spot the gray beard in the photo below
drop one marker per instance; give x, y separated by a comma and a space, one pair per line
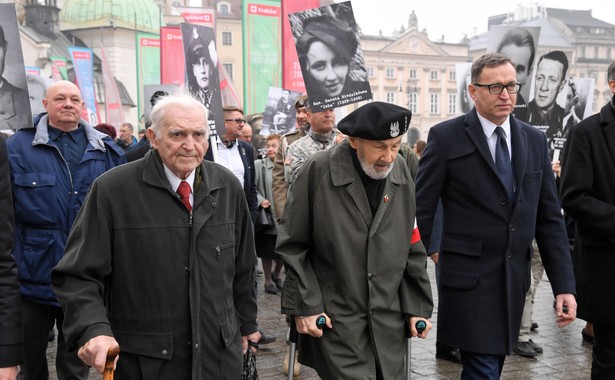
372, 173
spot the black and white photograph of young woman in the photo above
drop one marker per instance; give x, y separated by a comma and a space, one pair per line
14, 101
519, 44
202, 72
280, 112
330, 56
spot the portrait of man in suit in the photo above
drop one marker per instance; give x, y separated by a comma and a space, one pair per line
489, 220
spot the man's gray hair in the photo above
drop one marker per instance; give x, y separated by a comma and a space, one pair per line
182, 100
611, 72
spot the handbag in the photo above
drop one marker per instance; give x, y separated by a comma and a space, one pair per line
264, 220
248, 371
264, 223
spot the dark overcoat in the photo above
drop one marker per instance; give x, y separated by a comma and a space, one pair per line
358, 268
174, 288
486, 246
588, 195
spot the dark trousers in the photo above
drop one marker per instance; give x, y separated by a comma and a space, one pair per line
37, 320
481, 366
603, 356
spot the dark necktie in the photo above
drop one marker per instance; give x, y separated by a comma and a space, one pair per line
502, 162
184, 194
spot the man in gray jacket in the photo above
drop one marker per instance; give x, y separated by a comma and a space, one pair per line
347, 236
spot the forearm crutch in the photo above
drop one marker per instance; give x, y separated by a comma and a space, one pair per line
420, 327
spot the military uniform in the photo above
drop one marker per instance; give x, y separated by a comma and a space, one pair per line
280, 173
302, 149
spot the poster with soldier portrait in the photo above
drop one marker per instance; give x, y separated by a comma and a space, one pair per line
280, 112
548, 109
202, 72
330, 56
153, 92
14, 100
519, 43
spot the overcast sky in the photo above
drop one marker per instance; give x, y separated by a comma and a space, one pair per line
455, 18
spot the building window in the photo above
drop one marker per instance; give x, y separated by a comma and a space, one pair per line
412, 74
224, 8
370, 72
390, 72
413, 101
433, 75
596, 52
434, 103
390, 97
452, 75
452, 104
228, 67
227, 38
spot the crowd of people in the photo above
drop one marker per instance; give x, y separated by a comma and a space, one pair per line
157, 257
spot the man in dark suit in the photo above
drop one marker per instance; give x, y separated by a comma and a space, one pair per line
588, 195
237, 155
491, 212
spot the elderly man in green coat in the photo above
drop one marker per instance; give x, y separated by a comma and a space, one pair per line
348, 237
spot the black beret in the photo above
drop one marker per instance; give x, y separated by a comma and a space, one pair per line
376, 121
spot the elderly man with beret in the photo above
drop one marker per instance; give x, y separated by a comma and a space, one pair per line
347, 236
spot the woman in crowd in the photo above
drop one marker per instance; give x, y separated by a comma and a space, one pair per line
265, 240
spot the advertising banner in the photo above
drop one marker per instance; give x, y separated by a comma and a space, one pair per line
262, 52
84, 76
148, 64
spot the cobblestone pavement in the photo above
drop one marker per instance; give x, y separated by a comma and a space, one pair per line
565, 355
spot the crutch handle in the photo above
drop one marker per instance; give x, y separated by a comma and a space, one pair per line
110, 363
321, 321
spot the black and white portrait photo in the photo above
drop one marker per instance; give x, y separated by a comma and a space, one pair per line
202, 72
153, 92
280, 112
330, 56
519, 44
464, 78
14, 101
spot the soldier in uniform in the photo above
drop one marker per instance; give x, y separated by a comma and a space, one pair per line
321, 136
279, 185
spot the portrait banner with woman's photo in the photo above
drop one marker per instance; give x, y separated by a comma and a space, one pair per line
202, 72
14, 100
330, 56
280, 112
519, 43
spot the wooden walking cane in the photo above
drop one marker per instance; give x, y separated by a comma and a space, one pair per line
110, 363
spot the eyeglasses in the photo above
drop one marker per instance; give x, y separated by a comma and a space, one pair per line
238, 121
496, 89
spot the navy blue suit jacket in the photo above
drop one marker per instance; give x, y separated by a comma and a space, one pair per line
486, 246
246, 151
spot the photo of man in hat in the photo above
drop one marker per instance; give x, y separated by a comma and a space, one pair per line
348, 227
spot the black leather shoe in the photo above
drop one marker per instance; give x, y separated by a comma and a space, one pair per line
534, 326
525, 349
445, 352
535, 347
266, 339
